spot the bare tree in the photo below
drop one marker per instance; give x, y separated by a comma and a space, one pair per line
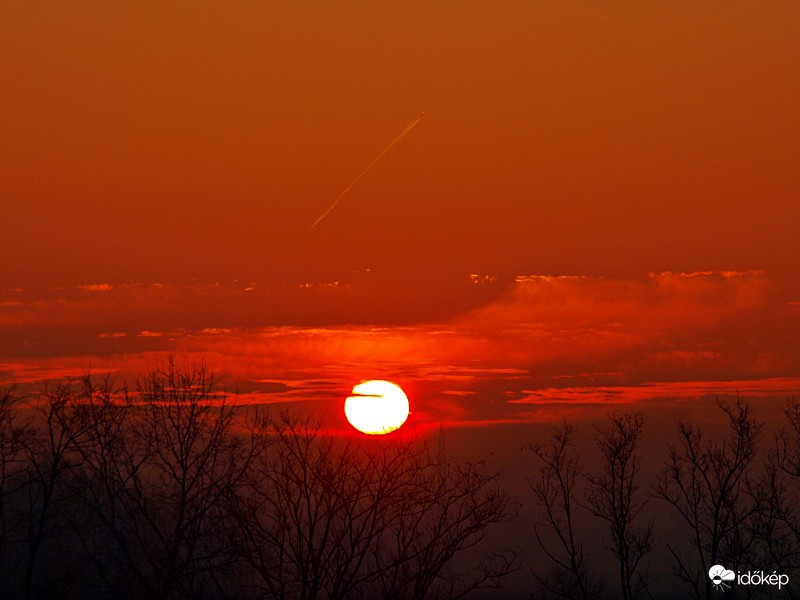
156, 468
778, 499
613, 496
172, 492
441, 513
302, 527
554, 492
12, 482
777, 527
333, 518
708, 483
109, 524
49, 442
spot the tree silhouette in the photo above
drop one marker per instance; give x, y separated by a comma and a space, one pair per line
157, 467
613, 496
173, 491
708, 483
13, 480
555, 495
331, 518
778, 498
49, 442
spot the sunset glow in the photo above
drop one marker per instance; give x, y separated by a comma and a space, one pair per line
376, 407
523, 213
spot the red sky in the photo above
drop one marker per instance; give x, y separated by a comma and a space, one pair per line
601, 202
541, 349
158, 143
599, 211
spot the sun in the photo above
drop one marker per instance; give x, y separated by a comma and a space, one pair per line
376, 407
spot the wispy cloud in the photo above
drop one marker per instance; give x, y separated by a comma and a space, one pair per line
547, 342
97, 287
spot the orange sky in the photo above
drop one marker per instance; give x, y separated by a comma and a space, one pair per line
600, 210
151, 142
601, 203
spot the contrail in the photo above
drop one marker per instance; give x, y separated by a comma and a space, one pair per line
408, 128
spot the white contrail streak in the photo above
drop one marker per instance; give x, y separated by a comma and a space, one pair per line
408, 128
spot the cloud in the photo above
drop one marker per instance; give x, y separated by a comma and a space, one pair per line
658, 302
545, 343
671, 390
97, 287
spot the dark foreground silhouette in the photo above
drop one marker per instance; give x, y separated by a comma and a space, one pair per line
172, 491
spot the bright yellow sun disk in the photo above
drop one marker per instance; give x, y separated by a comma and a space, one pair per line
376, 407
